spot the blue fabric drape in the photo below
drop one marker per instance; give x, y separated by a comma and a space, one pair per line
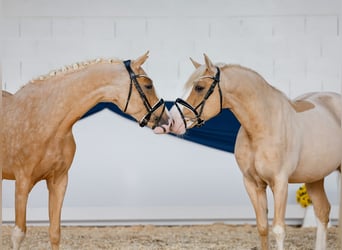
219, 132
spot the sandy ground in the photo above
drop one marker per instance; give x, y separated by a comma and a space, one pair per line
216, 236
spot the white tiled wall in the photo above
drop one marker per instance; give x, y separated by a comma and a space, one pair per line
295, 45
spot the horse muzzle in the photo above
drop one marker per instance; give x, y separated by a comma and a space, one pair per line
163, 123
177, 124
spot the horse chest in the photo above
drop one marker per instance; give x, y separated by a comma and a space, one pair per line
260, 161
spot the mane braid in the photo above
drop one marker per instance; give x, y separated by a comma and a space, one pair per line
73, 68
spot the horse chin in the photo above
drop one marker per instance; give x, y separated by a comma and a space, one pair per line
178, 127
178, 131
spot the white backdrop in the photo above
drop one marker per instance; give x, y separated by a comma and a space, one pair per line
124, 174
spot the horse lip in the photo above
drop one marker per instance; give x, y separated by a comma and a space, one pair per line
163, 129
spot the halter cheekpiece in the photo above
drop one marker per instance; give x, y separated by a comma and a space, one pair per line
200, 106
150, 110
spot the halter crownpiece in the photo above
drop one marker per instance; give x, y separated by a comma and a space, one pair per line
200, 106
150, 110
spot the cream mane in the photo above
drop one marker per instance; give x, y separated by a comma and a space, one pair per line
73, 68
222, 66
298, 106
256, 73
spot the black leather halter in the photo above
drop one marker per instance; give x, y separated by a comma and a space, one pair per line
150, 110
199, 121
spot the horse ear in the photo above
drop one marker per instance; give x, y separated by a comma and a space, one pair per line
208, 63
196, 64
140, 60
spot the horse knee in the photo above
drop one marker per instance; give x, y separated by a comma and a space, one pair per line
18, 236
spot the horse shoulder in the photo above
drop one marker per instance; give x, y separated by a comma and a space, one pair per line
245, 155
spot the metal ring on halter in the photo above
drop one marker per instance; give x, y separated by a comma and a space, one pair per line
150, 110
199, 120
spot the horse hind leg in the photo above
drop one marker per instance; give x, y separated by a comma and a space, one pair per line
322, 210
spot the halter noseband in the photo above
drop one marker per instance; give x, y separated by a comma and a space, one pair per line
150, 110
199, 120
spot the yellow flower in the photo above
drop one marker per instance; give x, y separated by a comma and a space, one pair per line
302, 196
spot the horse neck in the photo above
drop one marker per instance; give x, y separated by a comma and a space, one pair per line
72, 94
257, 105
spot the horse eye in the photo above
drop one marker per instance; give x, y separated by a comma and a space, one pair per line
198, 88
150, 86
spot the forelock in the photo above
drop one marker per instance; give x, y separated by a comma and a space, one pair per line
195, 75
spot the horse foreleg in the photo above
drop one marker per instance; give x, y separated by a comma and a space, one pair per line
280, 190
22, 189
322, 210
257, 195
57, 187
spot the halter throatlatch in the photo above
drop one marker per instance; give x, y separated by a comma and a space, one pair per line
199, 121
150, 110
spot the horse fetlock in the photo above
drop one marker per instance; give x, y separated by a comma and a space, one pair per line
55, 238
321, 235
17, 237
55, 246
279, 233
263, 230
264, 243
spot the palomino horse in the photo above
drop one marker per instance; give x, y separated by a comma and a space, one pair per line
280, 141
38, 119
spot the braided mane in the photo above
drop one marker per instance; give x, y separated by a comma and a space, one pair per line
73, 68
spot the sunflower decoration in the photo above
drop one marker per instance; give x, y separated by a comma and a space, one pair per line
302, 196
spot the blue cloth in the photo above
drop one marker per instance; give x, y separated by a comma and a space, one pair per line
219, 132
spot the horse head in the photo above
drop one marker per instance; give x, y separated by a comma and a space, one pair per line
141, 101
202, 100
